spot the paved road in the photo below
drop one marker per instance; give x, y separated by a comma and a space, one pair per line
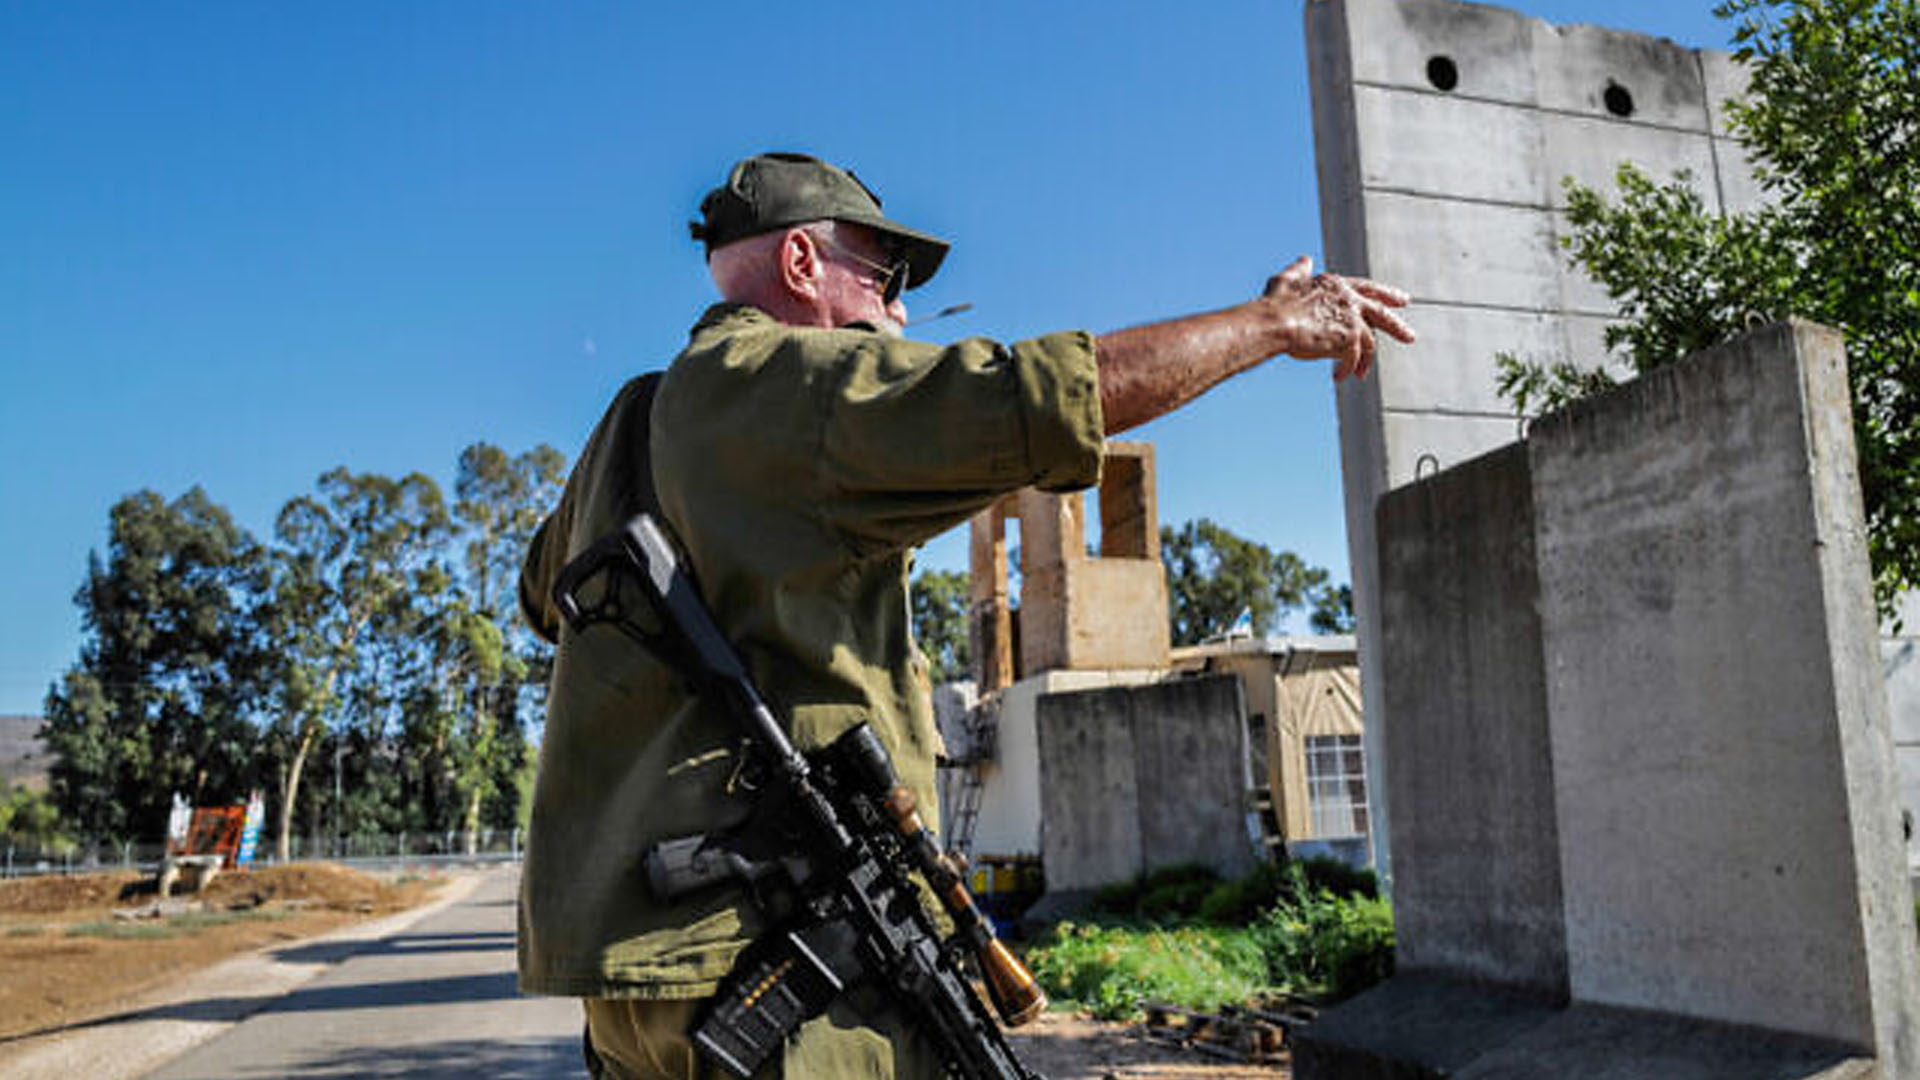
434, 1000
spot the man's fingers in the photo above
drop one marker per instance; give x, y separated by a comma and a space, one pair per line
1382, 319
1300, 269
1373, 290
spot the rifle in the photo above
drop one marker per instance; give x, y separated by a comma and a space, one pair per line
834, 835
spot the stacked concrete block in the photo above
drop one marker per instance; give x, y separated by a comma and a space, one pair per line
1139, 778
1078, 611
1646, 813
1442, 132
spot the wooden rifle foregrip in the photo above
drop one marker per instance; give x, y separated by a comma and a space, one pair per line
1015, 993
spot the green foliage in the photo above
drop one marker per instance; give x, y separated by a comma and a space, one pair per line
375, 652
1112, 971
29, 819
1332, 610
172, 672
1314, 928
1322, 945
1828, 122
1213, 576
940, 623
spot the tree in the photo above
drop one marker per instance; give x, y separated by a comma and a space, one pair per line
170, 673
940, 623
500, 501
353, 564
1332, 610
1214, 577
29, 819
1831, 123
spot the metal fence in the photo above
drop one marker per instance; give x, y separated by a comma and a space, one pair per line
367, 851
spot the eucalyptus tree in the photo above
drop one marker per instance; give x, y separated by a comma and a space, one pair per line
171, 669
355, 558
495, 663
1215, 577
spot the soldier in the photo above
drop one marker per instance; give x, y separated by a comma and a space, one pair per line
800, 448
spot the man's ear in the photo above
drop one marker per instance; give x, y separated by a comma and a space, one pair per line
801, 266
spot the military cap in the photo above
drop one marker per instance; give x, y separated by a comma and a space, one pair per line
777, 190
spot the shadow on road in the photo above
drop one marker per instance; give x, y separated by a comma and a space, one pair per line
456, 989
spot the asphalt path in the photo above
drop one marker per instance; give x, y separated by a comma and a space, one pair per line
436, 999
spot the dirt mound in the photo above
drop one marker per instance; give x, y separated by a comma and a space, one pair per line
319, 885
323, 885
53, 893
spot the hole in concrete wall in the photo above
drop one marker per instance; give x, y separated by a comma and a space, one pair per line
1618, 101
1442, 74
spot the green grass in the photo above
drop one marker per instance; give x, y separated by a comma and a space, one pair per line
23, 931
1183, 937
191, 922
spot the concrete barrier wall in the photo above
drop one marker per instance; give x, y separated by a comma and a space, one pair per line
1138, 778
1442, 131
1477, 873
1658, 609
1720, 739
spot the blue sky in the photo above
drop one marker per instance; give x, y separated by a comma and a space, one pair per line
241, 244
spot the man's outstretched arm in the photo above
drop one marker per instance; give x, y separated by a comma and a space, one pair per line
1149, 371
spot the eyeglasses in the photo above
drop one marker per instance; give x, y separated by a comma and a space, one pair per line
892, 279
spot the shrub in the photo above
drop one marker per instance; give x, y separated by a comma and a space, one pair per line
1111, 971
1328, 946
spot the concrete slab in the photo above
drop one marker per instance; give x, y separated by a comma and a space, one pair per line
1421, 444
1614, 1044
1416, 1027
1134, 779
1477, 866
1590, 149
1721, 752
1585, 70
1489, 48
1452, 368
1410, 141
1484, 254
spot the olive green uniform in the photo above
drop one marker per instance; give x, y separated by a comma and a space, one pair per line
798, 467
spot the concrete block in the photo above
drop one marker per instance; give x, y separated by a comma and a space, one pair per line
1587, 69
1590, 149
1900, 666
1133, 779
1590, 1041
1906, 762
1410, 141
1421, 444
1010, 814
1451, 369
1393, 42
1587, 343
1464, 253
1416, 1027
1740, 190
1721, 752
1476, 858
1723, 78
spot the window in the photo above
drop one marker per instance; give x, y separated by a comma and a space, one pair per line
1337, 785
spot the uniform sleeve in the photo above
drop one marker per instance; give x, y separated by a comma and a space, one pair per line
918, 438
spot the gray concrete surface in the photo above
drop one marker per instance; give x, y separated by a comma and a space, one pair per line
1730, 868
1137, 778
1477, 873
436, 999
1721, 751
1454, 194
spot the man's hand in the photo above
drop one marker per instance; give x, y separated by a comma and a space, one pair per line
1334, 317
1148, 371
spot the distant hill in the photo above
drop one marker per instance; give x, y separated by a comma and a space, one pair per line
23, 758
